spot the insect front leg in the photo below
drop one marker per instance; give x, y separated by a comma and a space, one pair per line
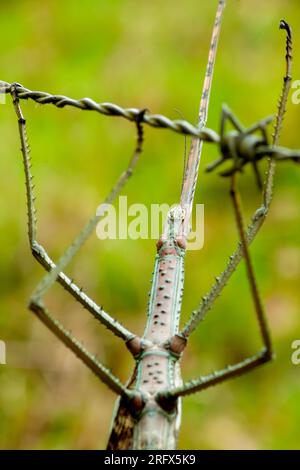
39, 252
259, 216
251, 362
55, 270
104, 374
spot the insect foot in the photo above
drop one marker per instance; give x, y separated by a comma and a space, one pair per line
167, 403
157, 427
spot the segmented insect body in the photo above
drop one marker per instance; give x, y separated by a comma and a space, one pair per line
156, 424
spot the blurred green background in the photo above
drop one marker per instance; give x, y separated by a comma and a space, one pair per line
143, 54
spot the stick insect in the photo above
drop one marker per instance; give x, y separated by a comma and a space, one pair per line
148, 410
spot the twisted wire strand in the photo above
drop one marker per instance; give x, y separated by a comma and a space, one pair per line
110, 109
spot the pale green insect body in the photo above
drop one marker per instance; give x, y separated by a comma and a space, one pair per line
158, 367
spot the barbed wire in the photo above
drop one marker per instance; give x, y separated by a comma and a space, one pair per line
110, 109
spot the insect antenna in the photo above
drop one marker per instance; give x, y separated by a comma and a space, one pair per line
193, 160
184, 155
